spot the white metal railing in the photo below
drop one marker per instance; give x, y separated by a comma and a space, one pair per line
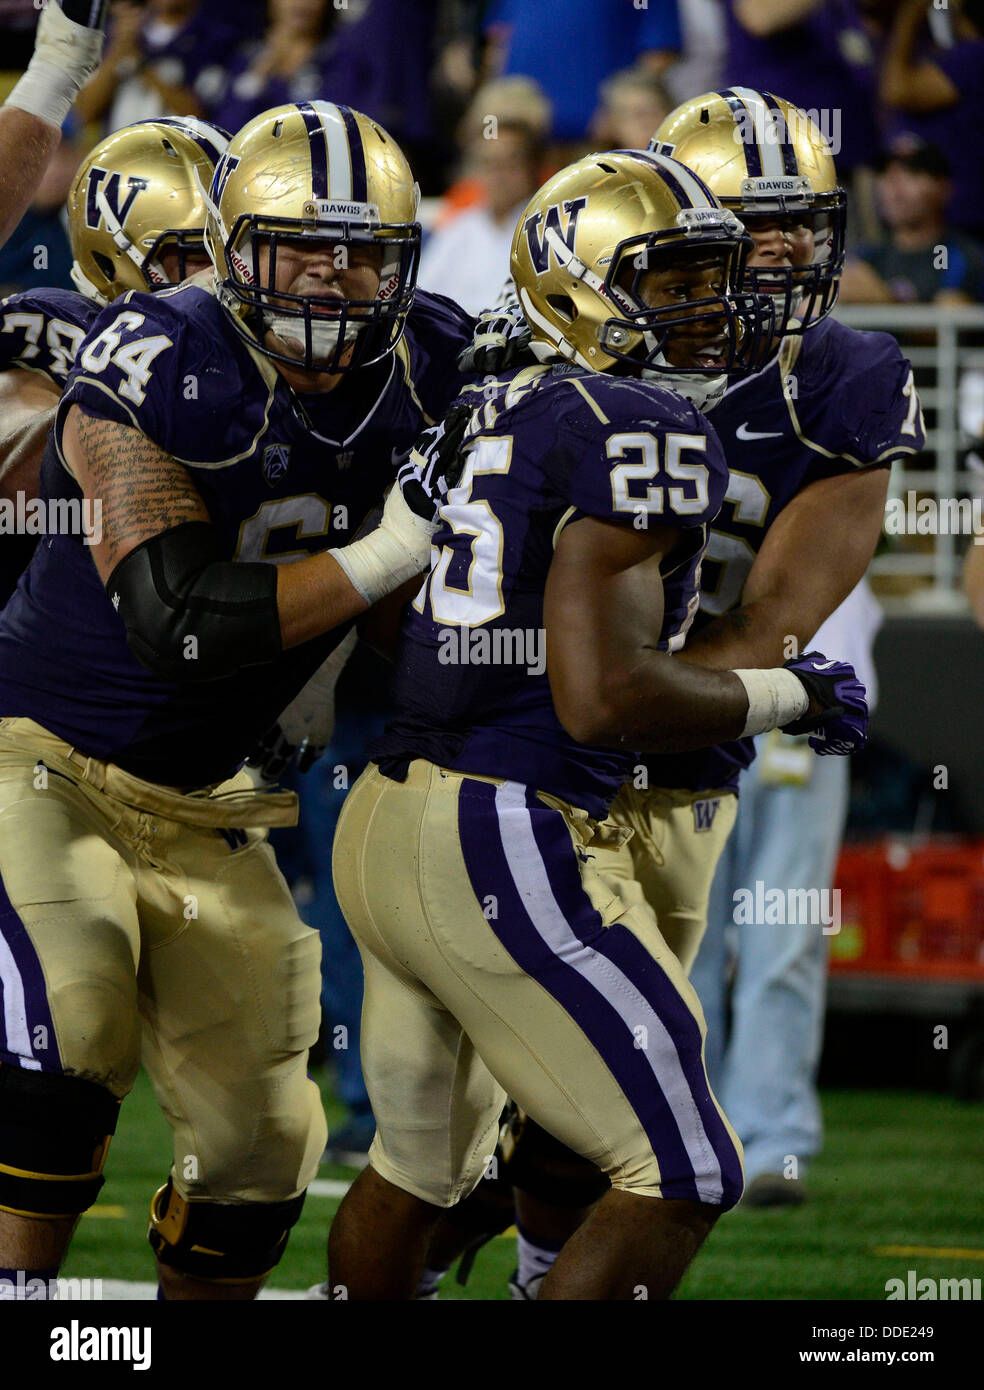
945, 346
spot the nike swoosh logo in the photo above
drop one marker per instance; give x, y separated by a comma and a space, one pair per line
743, 432
823, 665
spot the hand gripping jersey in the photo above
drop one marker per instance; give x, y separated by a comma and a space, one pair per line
834, 400
283, 476
559, 443
41, 330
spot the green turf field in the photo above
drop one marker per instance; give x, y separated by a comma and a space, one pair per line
900, 1169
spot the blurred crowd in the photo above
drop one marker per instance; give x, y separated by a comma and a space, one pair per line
488, 97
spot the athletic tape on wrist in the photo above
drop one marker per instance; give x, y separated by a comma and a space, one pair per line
66, 55
775, 698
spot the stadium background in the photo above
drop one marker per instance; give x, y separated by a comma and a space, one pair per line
487, 99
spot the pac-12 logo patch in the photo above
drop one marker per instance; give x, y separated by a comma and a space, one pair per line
276, 460
704, 812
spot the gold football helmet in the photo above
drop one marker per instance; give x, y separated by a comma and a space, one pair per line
583, 246
767, 160
315, 174
140, 192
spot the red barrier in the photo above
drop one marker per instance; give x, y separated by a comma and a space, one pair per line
912, 909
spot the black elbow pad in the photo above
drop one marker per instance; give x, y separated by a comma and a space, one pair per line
191, 615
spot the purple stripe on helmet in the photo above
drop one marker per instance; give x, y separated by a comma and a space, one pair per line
318, 143
359, 183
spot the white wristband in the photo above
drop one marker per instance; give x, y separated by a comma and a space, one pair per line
397, 550
66, 55
775, 698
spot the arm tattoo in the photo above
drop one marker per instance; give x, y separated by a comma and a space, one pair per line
142, 490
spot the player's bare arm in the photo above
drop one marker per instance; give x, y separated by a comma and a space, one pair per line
603, 612
906, 81
26, 146
765, 17
813, 555
146, 496
27, 405
66, 52
973, 582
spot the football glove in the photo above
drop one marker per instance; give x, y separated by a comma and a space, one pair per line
435, 463
304, 729
501, 340
842, 725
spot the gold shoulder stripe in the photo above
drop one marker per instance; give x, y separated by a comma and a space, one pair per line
890, 452
580, 386
560, 526
403, 357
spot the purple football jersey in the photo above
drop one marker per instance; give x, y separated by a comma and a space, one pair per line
558, 444
833, 401
282, 475
42, 329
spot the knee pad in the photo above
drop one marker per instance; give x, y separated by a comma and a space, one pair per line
54, 1136
231, 1243
537, 1163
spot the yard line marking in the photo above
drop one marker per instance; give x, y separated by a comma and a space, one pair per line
123, 1290
106, 1212
950, 1252
328, 1187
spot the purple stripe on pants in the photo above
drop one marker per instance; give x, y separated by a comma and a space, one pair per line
21, 973
485, 857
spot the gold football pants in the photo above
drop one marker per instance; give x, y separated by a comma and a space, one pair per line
669, 863
499, 960
132, 918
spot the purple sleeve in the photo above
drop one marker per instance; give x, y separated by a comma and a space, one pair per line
876, 408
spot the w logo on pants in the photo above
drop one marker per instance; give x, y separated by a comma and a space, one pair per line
704, 813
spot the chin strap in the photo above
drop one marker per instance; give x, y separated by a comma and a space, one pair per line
84, 285
702, 391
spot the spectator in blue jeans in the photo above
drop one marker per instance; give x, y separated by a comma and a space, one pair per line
791, 815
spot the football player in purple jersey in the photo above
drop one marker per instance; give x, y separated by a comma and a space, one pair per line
136, 221
809, 439
236, 431
538, 653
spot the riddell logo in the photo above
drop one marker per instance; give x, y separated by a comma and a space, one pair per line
245, 270
388, 290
